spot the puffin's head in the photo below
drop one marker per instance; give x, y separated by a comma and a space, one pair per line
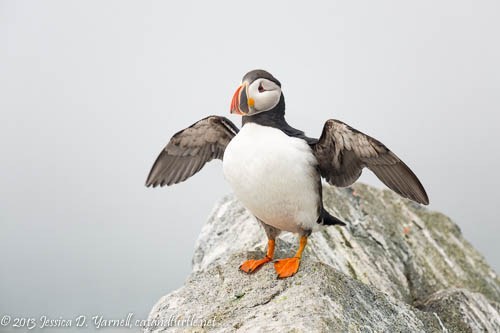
259, 92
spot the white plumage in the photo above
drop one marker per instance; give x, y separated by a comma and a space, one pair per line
274, 176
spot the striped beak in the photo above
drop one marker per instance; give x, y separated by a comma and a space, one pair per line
239, 103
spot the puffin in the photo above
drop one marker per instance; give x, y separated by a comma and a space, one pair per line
275, 170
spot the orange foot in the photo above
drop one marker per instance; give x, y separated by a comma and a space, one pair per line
252, 265
286, 267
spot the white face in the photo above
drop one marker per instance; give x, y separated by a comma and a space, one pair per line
265, 93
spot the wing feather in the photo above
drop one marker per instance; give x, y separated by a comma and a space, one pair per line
190, 149
342, 153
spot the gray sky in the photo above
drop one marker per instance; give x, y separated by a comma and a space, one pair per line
91, 91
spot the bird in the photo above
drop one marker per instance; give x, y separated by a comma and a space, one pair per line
275, 170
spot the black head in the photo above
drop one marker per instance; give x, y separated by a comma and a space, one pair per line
259, 92
259, 74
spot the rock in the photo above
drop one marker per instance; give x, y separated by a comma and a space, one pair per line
396, 267
463, 310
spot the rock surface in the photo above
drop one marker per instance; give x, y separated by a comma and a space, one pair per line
396, 267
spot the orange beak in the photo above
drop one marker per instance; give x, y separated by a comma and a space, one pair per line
235, 102
240, 102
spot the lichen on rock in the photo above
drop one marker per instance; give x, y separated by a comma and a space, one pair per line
395, 267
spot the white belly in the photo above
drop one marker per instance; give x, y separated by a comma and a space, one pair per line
274, 176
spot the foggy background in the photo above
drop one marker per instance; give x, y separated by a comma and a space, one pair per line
91, 91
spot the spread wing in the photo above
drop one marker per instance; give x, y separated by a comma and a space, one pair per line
188, 150
342, 153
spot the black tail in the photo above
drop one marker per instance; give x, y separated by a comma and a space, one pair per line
326, 219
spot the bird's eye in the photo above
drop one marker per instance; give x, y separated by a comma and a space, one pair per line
261, 88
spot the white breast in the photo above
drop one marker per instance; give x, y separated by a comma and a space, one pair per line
274, 176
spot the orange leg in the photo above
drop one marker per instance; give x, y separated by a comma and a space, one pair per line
252, 265
289, 266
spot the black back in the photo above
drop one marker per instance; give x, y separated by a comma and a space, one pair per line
276, 118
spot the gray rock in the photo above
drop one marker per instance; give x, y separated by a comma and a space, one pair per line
463, 310
396, 267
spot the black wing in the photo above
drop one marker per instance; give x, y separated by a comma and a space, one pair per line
188, 150
342, 153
